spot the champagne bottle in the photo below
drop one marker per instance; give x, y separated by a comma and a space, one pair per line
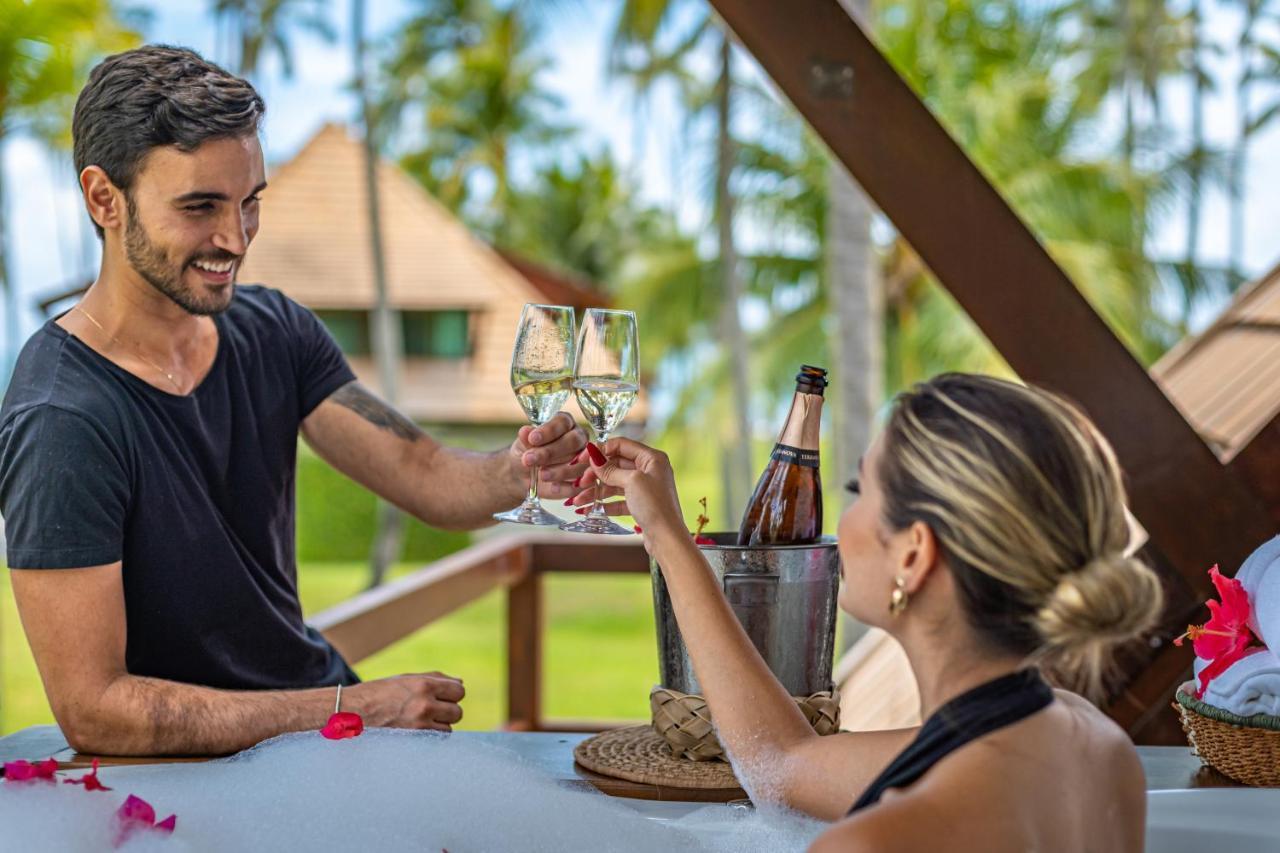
786, 507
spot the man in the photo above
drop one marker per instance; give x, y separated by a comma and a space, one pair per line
148, 443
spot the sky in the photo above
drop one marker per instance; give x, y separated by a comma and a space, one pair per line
51, 246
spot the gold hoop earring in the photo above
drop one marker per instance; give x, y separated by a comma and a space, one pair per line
899, 598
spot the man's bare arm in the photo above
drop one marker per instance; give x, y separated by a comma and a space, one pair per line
104, 710
370, 441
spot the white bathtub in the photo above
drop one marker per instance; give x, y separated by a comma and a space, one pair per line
1204, 820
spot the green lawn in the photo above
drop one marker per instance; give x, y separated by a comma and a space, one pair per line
601, 657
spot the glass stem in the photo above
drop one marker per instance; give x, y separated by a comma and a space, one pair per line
597, 508
532, 498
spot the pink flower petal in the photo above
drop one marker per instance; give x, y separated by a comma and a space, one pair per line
19, 771
344, 724
137, 815
89, 780
137, 810
25, 771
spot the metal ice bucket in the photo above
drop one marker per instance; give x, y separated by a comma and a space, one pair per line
785, 598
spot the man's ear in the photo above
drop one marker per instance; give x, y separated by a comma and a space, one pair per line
103, 199
919, 556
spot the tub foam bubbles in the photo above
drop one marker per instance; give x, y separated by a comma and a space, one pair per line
386, 790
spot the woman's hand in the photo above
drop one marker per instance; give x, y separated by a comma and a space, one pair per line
641, 475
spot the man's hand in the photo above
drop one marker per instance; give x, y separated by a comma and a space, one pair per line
553, 447
104, 710
452, 488
426, 701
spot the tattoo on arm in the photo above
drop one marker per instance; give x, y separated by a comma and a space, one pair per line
357, 398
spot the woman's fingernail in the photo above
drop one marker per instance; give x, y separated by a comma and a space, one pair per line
581, 510
578, 458
569, 501
577, 482
597, 458
637, 528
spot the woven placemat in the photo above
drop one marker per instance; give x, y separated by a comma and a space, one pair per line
639, 754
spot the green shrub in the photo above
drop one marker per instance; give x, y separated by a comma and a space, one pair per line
336, 520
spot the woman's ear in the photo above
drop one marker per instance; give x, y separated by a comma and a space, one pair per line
919, 555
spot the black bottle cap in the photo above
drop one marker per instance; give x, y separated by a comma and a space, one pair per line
815, 377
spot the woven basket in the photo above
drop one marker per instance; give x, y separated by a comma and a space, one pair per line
683, 720
1247, 749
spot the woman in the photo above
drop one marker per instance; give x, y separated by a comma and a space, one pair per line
989, 538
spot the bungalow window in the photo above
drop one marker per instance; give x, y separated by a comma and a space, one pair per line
350, 329
425, 334
436, 334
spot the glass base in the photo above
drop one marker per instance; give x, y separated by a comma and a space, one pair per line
596, 524
528, 513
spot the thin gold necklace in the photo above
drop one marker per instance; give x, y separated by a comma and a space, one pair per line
115, 340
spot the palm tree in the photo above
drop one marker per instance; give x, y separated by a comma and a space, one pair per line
46, 50
256, 27
587, 218
468, 72
1201, 82
1260, 63
856, 304
641, 55
1003, 96
388, 349
1002, 92
1130, 48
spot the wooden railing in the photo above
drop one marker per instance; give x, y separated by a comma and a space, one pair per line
375, 619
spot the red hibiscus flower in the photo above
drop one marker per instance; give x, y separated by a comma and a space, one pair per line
343, 725
137, 815
89, 780
1226, 637
25, 771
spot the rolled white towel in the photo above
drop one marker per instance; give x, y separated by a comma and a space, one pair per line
1260, 577
1249, 686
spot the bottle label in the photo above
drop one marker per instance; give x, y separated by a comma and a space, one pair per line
795, 455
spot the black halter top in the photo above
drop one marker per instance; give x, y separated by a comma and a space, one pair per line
969, 716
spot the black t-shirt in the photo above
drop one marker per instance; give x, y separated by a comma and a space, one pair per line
194, 494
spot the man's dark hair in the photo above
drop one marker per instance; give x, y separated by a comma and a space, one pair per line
153, 96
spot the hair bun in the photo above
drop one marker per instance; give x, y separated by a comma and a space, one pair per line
1110, 600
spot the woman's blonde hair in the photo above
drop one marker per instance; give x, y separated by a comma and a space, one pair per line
1025, 498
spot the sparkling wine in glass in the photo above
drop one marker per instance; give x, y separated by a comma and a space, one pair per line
605, 382
541, 376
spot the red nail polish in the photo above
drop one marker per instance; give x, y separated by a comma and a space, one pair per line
581, 510
569, 502
637, 529
597, 458
577, 482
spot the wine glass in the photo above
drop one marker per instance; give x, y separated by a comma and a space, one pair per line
541, 376
605, 382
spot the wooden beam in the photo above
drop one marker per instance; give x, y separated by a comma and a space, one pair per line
1197, 512
375, 619
524, 653
1258, 463
614, 554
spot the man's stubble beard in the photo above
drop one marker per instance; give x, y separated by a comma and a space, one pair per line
152, 263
